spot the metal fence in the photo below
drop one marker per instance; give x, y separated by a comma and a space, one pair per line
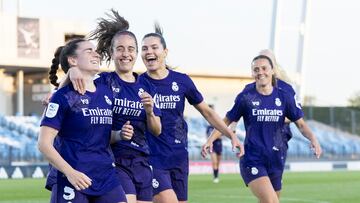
343, 118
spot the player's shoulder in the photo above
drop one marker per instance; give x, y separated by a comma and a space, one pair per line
285, 86
177, 74
249, 86
62, 91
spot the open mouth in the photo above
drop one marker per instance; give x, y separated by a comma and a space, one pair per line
151, 59
95, 62
125, 60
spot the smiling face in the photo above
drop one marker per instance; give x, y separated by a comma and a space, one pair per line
153, 53
262, 72
124, 52
86, 58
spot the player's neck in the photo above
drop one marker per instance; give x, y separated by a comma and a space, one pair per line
89, 82
264, 89
158, 74
126, 76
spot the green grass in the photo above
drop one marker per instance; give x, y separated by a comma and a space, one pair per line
314, 187
319, 187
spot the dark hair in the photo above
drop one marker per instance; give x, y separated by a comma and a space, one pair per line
107, 30
158, 33
273, 79
61, 56
263, 57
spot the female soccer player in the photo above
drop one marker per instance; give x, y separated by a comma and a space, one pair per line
133, 103
83, 124
168, 152
216, 152
264, 108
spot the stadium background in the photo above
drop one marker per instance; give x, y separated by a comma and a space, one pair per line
27, 44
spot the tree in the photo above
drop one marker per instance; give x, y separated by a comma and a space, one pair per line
354, 101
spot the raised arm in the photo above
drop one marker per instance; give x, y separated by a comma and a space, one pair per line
153, 122
75, 77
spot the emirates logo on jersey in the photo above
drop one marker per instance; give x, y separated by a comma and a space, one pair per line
174, 86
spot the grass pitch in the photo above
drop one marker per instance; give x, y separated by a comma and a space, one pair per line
314, 187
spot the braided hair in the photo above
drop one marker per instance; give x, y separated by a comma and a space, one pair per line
61, 56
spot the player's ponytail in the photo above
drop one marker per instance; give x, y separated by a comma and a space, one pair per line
107, 30
61, 56
55, 66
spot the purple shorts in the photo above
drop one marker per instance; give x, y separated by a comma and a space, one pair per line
135, 175
64, 192
51, 178
251, 170
176, 179
217, 146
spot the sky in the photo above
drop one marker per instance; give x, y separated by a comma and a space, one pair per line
220, 37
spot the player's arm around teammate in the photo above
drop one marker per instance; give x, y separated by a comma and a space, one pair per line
75, 119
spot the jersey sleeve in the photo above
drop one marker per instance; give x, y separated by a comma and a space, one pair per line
237, 110
192, 94
285, 86
249, 86
102, 78
293, 109
55, 111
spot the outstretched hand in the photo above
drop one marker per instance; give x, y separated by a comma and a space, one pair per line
206, 149
315, 146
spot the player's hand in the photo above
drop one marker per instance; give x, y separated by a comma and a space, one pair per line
206, 149
127, 131
316, 148
237, 145
77, 80
46, 100
79, 180
148, 102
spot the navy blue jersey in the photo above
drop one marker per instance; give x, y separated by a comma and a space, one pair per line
169, 150
84, 123
286, 87
128, 107
264, 117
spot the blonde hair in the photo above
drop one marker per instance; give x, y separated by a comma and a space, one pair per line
279, 72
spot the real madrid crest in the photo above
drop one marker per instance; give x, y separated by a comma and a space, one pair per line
141, 90
174, 86
277, 102
108, 101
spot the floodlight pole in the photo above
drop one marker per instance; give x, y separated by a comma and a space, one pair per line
276, 26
